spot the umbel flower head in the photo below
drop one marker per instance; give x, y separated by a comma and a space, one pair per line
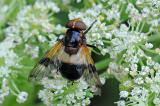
126, 34
30, 21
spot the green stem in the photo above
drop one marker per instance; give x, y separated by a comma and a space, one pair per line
96, 52
132, 29
68, 90
148, 50
111, 27
141, 63
14, 85
13, 92
144, 4
106, 41
120, 56
143, 23
138, 26
120, 60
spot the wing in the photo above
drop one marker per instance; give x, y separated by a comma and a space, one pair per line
47, 64
90, 74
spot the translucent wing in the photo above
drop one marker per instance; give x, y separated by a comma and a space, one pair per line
47, 64
90, 74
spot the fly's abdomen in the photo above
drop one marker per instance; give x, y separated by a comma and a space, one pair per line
71, 71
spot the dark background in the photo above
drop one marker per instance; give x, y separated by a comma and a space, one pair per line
110, 94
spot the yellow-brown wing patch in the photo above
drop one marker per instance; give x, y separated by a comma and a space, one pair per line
44, 67
90, 74
54, 50
86, 52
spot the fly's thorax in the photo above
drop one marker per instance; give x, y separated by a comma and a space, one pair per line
73, 38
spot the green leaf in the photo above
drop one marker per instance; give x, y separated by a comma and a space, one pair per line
102, 64
150, 99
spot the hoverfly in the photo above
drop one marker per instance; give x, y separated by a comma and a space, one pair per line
70, 56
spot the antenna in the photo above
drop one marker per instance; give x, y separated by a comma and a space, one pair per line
90, 27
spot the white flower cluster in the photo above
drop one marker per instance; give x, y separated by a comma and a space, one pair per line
144, 86
113, 13
147, 11
58, 91
32, 23
8, 59
130, 52
4, 91
125, 40
22, 97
